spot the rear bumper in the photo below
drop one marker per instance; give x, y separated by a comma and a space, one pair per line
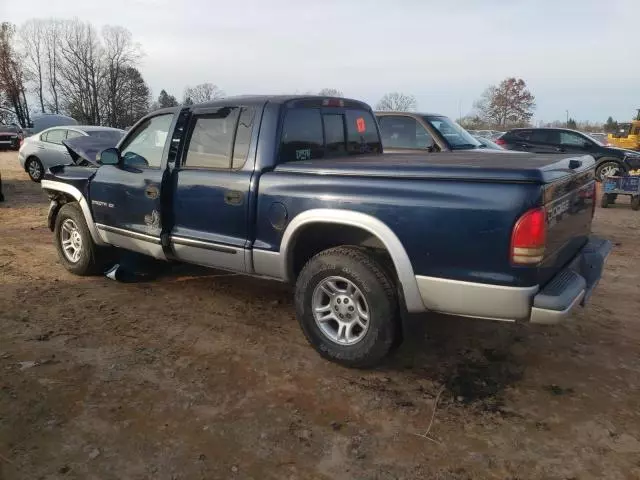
571, 287
21, 159
9, 143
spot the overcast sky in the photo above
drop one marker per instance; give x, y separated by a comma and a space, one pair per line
576, 55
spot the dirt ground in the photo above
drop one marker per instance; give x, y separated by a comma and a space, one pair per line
203, 376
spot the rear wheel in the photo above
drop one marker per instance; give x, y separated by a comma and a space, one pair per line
34, 168
347, 306
635, 202
76, 249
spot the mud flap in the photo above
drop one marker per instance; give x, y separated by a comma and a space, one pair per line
54, 206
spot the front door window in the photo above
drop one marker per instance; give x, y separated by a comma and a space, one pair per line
145, 145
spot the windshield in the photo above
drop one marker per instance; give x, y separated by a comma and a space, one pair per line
456, 136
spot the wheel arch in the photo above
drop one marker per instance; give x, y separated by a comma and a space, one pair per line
71, 194
373, 229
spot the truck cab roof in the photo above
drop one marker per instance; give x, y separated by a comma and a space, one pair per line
280, 100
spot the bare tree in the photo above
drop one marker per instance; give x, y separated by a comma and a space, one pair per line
52, 39
397, 102
81, 71
12, 91
508, 104
119, 54
203, 92
32, 35
330, 92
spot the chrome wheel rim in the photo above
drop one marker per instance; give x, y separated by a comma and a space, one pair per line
35, 170
340, 310
71, 240
609, 170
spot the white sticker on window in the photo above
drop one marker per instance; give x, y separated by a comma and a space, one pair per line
304, 154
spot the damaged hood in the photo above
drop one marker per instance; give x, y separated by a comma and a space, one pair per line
84, 150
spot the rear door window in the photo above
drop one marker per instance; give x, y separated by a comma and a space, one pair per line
211, 140
55, 136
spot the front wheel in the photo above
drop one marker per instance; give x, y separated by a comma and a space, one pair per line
76, 249
347, 307
608, 169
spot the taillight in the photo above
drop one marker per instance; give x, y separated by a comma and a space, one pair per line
500, 141
529, 237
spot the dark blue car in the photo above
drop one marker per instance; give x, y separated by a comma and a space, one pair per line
297, 189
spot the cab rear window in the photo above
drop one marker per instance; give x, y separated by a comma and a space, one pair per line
313, 133
363, 136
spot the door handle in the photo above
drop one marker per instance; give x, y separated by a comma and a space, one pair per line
233, 197
560, 149
151, 192
525, 146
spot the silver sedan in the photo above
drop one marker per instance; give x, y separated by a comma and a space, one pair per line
45, 149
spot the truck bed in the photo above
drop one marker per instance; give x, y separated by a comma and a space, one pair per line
478, 166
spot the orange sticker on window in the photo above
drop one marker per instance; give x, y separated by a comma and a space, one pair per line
361, 125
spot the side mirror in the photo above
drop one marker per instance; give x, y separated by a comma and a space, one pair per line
110, 156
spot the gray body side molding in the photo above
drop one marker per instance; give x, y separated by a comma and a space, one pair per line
372, 225
79, 197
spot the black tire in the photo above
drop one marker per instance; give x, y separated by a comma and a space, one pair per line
92, 259
35, 170
608, 164
635, 202
604, 201
365, 272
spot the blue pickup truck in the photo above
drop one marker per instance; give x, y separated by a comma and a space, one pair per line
296, 189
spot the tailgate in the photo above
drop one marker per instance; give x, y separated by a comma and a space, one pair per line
569, 203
